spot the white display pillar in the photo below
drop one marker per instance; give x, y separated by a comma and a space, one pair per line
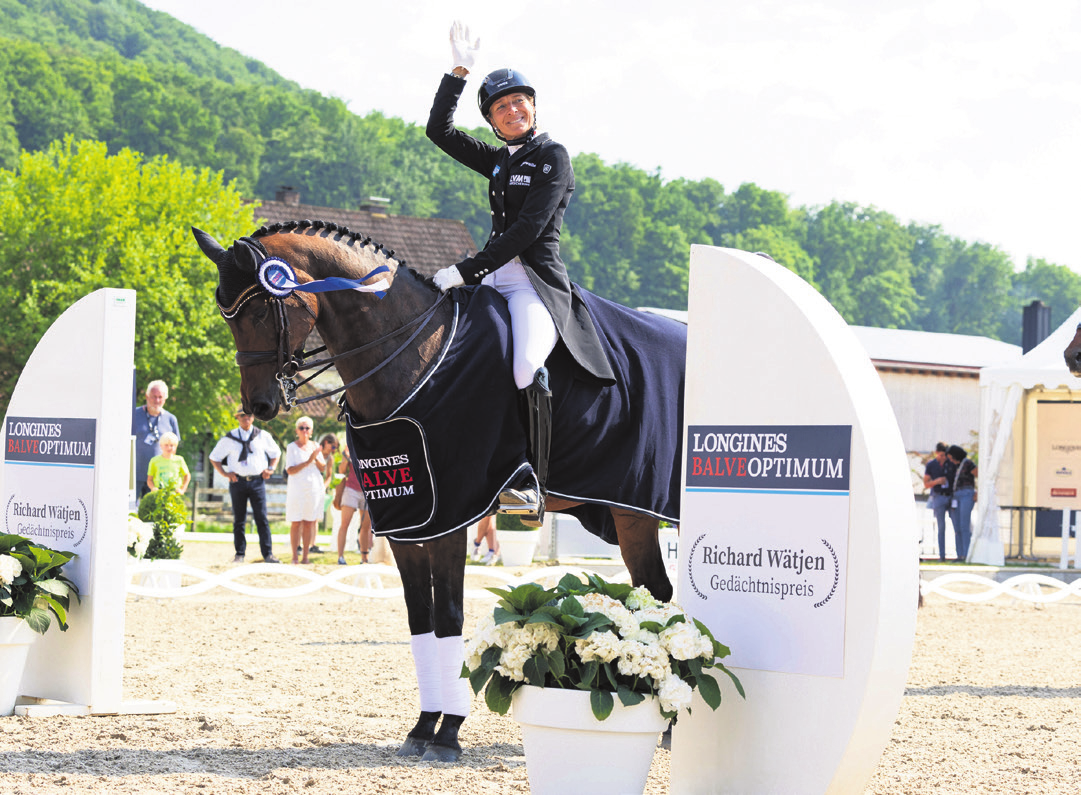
65, 484
797, 546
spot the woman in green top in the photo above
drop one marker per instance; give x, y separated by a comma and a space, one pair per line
168, 468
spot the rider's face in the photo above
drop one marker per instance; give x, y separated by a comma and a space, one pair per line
513, 115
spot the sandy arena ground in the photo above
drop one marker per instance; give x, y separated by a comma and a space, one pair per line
313, 695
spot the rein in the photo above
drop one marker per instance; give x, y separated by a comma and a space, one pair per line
291, 363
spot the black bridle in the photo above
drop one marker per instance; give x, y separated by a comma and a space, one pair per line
291, 363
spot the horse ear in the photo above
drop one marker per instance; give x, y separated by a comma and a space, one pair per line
211, 247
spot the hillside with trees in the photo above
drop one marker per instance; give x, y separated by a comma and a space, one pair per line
152, 90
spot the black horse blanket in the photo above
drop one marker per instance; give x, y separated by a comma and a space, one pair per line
440, 460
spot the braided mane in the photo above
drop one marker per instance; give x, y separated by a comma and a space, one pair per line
328, 229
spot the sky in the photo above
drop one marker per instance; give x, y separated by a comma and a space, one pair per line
964, 114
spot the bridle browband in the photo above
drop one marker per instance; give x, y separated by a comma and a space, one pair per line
290, 363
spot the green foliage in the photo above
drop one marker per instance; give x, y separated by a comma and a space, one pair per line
621, 625
165, 509
32, 585
76, 219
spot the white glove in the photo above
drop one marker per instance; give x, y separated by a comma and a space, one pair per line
463, 51
447, 278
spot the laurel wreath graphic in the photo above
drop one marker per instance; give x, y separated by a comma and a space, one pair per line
836, 574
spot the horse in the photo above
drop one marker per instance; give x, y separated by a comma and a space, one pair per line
1072, 354
387, 340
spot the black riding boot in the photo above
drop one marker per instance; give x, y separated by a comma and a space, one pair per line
525, 500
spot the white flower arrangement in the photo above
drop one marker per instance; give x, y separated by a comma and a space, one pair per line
609, 639
139, 535
10, 568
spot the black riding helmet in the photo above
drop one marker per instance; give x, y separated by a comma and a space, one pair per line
500, 83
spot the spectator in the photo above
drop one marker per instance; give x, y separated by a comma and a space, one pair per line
168, 468
486, 531
250, 455
328, 446
936, 478
349, 498
148, 424
964, 497
304, 463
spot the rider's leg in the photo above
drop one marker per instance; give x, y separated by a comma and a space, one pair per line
534, 335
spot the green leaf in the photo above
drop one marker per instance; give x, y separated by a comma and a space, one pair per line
652, 626
38, 620
557, 664
477, 679
504, 616
498, 694
490, 658
734, 678
628, 697
589, 673
610, 674
572, 607
709, 690
601, 702
55, 587
570, 582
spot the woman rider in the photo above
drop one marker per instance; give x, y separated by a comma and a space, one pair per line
530, 182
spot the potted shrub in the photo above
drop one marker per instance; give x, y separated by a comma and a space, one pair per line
603, 660
33, 590
165, 510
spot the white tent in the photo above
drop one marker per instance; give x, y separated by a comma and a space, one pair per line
1002, 388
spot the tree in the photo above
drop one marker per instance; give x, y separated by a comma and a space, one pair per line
75, 219
1055, 285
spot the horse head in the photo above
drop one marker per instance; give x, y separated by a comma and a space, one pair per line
269, 330
1072, 354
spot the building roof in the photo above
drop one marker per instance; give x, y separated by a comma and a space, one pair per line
917, 351
426, 244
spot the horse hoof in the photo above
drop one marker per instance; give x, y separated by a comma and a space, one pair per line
413, 747
441, 753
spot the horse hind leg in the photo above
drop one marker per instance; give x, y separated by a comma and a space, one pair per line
642, 552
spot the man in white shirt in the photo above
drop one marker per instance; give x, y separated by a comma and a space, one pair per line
247, 457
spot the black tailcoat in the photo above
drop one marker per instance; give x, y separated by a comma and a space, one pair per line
528, 193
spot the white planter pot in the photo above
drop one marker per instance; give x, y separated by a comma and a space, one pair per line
516, 547
15, 639
569, 750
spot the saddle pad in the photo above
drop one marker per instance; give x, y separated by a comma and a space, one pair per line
395, 471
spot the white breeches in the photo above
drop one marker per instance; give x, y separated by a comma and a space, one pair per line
532, 329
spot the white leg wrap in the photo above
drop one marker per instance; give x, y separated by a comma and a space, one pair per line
456, 692
426, 662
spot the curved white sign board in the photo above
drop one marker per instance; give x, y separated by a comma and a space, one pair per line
67, 451
796, 541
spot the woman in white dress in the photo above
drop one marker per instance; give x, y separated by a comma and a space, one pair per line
304, 463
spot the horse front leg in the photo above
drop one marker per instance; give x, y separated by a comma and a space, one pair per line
415, 571
642, 552
446, 557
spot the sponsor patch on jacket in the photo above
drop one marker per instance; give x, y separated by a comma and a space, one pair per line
519, 179
495, 171
527, 163
547, 168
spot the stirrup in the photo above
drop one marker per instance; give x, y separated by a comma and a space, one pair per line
519, 501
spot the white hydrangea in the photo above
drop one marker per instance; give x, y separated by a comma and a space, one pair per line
684, 642
625, 621
10, 568
140, 534
660, 613
640, 598
674, 693
639, 659
600, 646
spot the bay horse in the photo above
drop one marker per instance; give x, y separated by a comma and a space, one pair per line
409, 345
1072, 354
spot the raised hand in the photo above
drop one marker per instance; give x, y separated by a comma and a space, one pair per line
463, 51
